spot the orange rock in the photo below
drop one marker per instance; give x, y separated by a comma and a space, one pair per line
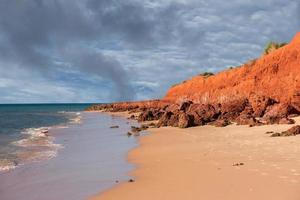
275, 76
267, 87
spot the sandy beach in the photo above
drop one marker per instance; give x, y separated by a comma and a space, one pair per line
198, 163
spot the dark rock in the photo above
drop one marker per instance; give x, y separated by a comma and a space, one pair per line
231, 110
129, 134
238, 164
204, 113
198, 119
135, 129
185, 120
246, 119
276, 135
130, 180
221, 123
276, 112
286, 121
172, 108
295, 130
173, 121
114, 127
259, 104
158, 114
164, 120
151, 125
146, 116
269, 132
184, 106
144, 127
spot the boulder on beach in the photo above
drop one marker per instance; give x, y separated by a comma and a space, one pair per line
295, 130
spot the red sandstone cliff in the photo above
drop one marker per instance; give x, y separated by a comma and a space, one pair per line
276, 75
267, 88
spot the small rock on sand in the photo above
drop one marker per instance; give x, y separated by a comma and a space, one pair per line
269, 132
238, 164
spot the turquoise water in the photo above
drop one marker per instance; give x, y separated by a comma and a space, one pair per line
22, 128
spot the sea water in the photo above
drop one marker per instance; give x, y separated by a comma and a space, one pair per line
24, 127
61, 152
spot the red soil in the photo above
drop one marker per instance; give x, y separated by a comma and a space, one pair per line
276, 75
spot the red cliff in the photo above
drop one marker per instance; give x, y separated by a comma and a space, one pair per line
276, 75
265, 90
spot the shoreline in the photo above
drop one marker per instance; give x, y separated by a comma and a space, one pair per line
206, 162
93, 158
36, 144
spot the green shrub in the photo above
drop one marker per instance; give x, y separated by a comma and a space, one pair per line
271, 46
207, 74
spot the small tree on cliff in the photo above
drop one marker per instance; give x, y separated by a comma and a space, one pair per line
206, 74
271, 46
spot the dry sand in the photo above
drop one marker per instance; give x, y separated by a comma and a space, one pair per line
197, 163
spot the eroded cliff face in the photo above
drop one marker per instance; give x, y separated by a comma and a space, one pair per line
265, 90
276, 75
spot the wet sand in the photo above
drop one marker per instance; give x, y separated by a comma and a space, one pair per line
197, 163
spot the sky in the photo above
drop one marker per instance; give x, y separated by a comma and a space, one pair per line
108, 50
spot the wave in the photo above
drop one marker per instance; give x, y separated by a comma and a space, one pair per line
36, 137
77, 119
37, 144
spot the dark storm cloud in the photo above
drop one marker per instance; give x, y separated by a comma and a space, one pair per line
132, 48
29, 27
33, 32
125, 19
95, 63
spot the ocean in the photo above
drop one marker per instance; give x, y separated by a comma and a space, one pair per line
58, 151
23, 129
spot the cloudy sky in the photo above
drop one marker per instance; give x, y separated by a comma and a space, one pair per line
112, 50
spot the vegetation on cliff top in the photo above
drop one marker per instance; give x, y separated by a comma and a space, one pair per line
206, 74
271, 46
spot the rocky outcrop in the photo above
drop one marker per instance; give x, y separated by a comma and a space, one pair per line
295, 130
129, 106
185, 120
263, 91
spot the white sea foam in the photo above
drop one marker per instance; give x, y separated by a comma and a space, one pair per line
77, 119
38, 137
26, 156
38, 144
6, 165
